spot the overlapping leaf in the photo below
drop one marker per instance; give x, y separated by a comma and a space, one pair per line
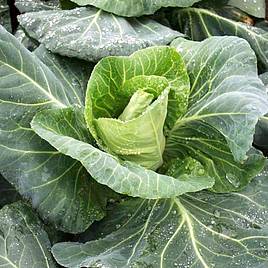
112, 85
23, 241
58, 187
196, 230
70, 137
226, 100
91, 34
72, 73
253, 7
36, 5
200, 23
133, 8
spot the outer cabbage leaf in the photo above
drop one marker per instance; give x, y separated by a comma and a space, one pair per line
36, 5
226, 100
134, 8
253, 7
113, 84
58, 186
73, 73
70, 137
91, 34
196, 230
23, 240
200, 23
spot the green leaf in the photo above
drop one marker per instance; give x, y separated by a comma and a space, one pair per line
196, 230
5, 15
91, 34
36, 5
23, 241
200, 23
123, 177
253, 7
7, 192
115, 79
138, 104
133, 8
58, 187
72, 73
225, 103
113, 84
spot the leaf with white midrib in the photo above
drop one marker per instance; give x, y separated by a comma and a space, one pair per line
199, 23
28, 86
226, 100
23, 241
91, 34
73, 73
196, 230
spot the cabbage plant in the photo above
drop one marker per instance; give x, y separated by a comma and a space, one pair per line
130, 140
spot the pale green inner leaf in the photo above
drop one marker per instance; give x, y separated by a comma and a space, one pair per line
137, 104
141, 139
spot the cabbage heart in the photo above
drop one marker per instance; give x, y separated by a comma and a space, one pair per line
132, 100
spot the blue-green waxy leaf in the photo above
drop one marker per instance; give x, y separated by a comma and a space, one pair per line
134, 8
226, 100
123, 177
91, 34
196, 230
199, 23
253, 7
23, 240
58, 187
73, 73
112, 84
36, 5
